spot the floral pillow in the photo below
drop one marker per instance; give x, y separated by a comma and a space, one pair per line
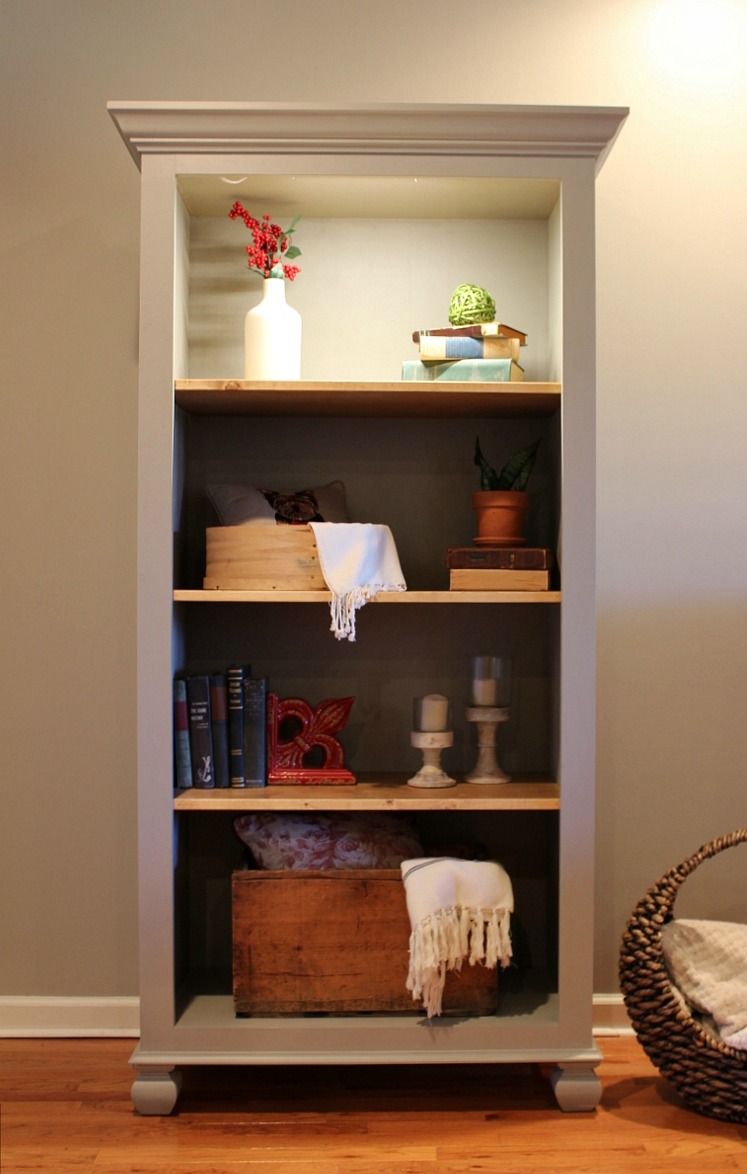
241, 505
318, 840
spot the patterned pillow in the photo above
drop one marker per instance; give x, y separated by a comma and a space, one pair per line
319, 840
240, 505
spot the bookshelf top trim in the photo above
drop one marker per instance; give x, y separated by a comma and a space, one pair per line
338, 398
252, 128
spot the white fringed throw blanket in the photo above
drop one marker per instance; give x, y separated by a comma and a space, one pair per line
357, 560
459, 909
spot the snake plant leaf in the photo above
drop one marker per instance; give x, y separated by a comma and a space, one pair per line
488, 475
515, 472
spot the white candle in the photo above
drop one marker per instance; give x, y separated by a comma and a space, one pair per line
491, 681
431, 712
484, 691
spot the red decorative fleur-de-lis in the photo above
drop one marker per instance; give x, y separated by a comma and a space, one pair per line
307, 728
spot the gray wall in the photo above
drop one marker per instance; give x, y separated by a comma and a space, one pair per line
672, 246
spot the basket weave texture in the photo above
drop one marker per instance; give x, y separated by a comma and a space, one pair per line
709, 1076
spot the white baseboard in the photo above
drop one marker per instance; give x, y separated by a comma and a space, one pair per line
26, 1016
610, 1016
29, 1016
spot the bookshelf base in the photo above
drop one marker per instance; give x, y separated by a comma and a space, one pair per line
526, 1029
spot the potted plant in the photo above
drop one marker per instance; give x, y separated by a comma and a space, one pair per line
501, 503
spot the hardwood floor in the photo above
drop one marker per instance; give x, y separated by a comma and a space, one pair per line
65, 1110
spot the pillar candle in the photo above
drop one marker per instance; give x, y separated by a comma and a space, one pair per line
491, 681
431, 713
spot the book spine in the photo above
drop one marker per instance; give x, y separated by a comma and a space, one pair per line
466, 347
469, 579
235, 688
219, 727
511, 558
255, 731
476, 330
200, 732
182, 754
463, 370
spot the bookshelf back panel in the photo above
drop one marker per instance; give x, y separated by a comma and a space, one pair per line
416, 476
399, 654
525, 843
364, 286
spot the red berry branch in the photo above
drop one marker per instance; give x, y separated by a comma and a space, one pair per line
272, 246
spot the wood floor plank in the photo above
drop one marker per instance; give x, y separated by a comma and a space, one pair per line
65, 1108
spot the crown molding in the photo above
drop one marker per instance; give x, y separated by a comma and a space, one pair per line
249, 128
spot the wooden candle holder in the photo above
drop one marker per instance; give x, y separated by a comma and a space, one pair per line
487, 718
431, 742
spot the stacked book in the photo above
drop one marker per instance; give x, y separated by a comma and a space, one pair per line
499, 568
220, 729
485, 351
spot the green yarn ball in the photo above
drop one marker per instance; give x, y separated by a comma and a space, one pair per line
470, 303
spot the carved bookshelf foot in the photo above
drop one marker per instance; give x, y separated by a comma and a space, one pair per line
576, 1086
156, 1091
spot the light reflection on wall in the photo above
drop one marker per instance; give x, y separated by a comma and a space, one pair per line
700, 44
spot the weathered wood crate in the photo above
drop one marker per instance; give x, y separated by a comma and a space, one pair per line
262, 558
334, 942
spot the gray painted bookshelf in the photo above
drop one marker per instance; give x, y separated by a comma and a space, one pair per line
391, 197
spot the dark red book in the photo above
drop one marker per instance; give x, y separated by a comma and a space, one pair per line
475, 330
503, 558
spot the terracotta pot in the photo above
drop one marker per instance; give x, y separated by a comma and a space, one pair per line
500, 517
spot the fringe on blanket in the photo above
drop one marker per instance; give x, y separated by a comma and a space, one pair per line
342, 611
444, 939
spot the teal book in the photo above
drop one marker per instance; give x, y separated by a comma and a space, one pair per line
463, 370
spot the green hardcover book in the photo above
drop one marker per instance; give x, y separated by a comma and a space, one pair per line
463, 370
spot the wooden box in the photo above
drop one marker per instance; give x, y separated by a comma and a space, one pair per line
334, 942
262, 558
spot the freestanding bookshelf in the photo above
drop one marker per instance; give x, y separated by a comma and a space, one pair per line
397, 201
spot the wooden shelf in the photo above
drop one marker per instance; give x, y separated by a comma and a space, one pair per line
376, 793
185, 595
243, 398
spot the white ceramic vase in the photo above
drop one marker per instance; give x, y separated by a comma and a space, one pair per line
272, 336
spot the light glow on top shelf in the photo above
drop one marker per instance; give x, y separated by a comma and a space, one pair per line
385, 196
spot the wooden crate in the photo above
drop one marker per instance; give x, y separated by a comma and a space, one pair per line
262, 558
334, 941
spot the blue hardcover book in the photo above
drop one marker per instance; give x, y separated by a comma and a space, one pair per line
255, 731
463, 346
182, 753
235, 675
200, 732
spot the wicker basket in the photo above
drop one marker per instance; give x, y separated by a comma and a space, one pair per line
709, 1076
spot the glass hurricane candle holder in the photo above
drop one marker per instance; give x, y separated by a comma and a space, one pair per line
491, 699
491, 681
